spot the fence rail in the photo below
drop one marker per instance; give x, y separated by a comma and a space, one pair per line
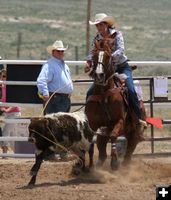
71, 62
152, 103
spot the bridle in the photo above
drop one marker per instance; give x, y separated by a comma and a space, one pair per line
100, 69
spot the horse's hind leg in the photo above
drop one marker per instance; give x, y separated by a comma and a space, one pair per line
91, 153
101, 145
132, 143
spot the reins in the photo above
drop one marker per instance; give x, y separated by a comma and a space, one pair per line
106, 82
79, 108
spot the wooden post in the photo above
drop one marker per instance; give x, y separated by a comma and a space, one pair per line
88, 26
19, 44
76, 58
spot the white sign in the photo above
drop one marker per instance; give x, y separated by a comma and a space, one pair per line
160, 87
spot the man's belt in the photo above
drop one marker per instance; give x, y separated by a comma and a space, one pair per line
58, 94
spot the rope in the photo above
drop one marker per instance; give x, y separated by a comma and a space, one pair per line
78, 109
106, 82
51, 97
57, 143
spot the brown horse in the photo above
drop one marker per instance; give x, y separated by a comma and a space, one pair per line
107, 109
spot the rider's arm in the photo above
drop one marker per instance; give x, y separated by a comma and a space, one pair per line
119, 48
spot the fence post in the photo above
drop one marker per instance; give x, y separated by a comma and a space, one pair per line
76, 58
19, 44
151, 113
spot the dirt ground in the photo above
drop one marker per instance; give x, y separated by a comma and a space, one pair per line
54, 181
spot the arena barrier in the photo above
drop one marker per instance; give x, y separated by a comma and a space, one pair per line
151, 103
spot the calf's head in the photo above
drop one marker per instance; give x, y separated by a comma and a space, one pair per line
38, 128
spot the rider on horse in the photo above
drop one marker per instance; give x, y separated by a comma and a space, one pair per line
106, 30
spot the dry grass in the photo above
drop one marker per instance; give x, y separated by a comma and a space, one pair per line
145, 25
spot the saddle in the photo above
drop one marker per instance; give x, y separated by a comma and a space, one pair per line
119, 86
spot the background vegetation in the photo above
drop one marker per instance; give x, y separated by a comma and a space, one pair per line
145, 24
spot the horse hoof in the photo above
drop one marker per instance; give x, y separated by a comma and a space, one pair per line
114, 164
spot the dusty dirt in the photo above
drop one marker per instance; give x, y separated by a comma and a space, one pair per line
55, 181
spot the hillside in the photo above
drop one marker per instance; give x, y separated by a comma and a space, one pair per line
145, 24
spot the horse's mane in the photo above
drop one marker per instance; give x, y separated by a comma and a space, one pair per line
103, 45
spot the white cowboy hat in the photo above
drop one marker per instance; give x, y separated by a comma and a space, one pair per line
57, 45
102, 17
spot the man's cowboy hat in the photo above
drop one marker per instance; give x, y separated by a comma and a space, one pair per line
102, 17
57, 45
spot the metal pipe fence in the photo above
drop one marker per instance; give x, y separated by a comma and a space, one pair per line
151, 102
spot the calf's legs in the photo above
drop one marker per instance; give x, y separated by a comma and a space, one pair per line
34, 170
39, 159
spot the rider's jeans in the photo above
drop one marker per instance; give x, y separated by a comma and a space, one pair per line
132, 95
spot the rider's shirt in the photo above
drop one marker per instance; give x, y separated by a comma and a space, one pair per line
117, 46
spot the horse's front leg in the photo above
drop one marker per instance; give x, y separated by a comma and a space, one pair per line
91, 154
101, 145
114, 154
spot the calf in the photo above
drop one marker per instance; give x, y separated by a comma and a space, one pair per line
70, 130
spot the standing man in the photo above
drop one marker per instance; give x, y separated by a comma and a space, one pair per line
54, 81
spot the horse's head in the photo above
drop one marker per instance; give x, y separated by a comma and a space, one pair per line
103, 67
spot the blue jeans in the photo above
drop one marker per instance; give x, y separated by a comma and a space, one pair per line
58, 103
132, 95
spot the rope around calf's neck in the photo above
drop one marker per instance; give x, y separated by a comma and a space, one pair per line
57, 144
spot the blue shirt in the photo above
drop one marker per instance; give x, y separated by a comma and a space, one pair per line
54, 77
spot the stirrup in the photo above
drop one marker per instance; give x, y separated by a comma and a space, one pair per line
142, 122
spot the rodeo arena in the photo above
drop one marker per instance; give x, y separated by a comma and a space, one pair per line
135, 170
